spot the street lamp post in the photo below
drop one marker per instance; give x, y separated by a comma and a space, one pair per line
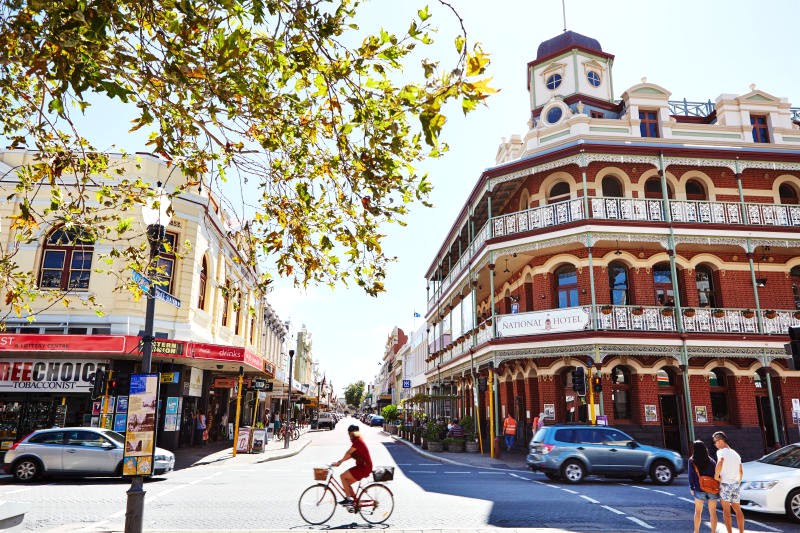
319, 407
288, 402
156, 214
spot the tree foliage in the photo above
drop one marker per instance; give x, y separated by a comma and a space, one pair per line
322, 122
354, 393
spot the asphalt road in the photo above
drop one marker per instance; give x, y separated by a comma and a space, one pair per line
428, 495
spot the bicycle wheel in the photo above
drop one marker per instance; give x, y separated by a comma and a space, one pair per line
375, 503
295, 434
317, 504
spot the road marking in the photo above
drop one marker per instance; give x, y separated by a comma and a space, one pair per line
762, 525
570, 491
640, 522
685, 499
612, 509
456, 472
588, 499
663, 492
519, 477
638, 487
422, 471
493, 473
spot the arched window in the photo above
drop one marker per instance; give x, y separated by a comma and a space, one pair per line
567, 286
758, 381
621, 392
226, 301
524, 200
618, 283
705, 287
652, 189
695, 190
166, 261
612, 188
788, 194
237, 319
201, 300
559, 192
662, 282
719, 395
665, 378
67, 260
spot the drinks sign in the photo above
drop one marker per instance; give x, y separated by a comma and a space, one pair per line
541, 322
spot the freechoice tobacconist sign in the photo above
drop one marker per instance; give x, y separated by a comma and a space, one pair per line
48, 375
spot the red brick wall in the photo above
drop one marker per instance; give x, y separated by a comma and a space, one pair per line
741, 401
700, 393
644, 392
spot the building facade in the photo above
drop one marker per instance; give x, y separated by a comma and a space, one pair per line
649, 242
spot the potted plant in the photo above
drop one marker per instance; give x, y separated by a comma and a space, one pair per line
432, 438
748, 313
454, 445
468, 425
637, 310
688, 312
770, 313
668, 311
718, 313
606, 309
797, 315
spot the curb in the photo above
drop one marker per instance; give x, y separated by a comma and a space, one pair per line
447, 460
285, 455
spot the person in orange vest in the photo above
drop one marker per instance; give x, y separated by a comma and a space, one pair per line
510, 431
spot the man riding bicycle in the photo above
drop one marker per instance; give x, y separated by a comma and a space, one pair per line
358, 451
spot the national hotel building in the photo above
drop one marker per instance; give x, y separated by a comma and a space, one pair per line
654, 239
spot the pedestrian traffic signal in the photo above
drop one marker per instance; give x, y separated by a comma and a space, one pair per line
112, 386
579, 381
597, 384
99, 386
793, 348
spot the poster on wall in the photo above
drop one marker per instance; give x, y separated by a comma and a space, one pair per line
195, 382
122, 404
107, 421
170, 422
141, 426
550, 411
120, 422
172, 405
96, 408
701, 414
650, 413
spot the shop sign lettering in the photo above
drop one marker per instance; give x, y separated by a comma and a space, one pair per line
537, 323
49, 375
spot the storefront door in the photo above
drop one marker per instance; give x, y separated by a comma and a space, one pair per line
765, 423
670, 422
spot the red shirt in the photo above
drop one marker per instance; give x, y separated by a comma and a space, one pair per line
363, 466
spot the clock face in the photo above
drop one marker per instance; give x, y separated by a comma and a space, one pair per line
554, 81
554, 115
594, 78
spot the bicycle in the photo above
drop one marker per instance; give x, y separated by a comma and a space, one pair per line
374, 501
294, 433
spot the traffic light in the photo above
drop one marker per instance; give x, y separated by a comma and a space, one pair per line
793, 348
579, 381
597, 384
99, 386
112, 386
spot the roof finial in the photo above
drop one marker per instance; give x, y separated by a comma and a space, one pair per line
564, 13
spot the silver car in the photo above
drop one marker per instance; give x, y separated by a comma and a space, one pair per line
74, 451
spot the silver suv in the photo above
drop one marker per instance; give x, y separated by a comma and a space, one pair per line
571, 452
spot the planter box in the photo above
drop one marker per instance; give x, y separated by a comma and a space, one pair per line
435, 446
455, 446
471, 446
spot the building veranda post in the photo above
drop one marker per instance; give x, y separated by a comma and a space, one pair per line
655, 240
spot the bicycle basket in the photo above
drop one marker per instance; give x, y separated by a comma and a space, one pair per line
384, 473
320, 474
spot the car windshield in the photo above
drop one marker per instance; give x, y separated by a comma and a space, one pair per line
788, 456
119, 438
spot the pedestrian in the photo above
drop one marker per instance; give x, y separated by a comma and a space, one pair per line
200, 429
729, 475
455, 431
701, 464
510, 431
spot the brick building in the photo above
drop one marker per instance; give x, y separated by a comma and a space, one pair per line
650, 242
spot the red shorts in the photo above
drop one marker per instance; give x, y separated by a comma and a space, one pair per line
360, 472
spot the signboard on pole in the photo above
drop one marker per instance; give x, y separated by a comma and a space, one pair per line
406, 383
140, 437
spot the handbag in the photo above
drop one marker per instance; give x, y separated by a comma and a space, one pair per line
707, 483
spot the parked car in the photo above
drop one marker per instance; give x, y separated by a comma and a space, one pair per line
772, 484
571, 452
74, 451
376, 420
323, 420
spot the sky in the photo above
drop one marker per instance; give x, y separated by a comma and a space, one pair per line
696, 49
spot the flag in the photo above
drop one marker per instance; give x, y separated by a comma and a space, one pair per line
416, 315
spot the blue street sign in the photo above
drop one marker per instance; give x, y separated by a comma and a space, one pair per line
167, 297
406, 383
140, 280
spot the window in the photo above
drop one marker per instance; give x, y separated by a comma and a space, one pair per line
553, 81
788, 194
50, 437
67, 260
612, 188
665, 378
760, 131
597, 114
621, 392
554, 114
226, 301
652, 189
719, 395
618, 283
705, 287
648, 126
593, 78
662, 281
559, 192
165, 265
758, 381
237, 320
567, 281
695, 190
201, 300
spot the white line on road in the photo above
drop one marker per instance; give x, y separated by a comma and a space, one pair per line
762, 525
685, 499
519, 477
570, 491
456, 472
640, 522
493, 473
422, 471
638, 487
588, 499
612, 509
663, 492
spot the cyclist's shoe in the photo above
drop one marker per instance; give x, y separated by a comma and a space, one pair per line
347, 502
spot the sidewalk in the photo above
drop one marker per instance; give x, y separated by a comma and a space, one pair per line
513, 460
222, 451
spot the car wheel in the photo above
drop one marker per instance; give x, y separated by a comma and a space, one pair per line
573, 471
26, 470
662, 473
639, 478
552, 476
793, 505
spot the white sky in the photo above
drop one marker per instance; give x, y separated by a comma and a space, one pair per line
695, 49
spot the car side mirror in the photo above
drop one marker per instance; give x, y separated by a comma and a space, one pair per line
633, 444
107, 446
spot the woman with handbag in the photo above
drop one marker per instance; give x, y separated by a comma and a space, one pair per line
703, 485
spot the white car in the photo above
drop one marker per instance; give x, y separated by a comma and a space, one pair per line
772, 484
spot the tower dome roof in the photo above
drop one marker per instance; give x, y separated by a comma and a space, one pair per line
566, 41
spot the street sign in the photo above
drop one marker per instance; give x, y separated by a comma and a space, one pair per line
167, 297
140, 280
406, 383
259, 384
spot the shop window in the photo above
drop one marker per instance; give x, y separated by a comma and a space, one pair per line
759, 381
67, 260
788, 194
618, 283
558, 193
567, 289
648, 126
620, 392
665, 378
705, 287
612, 188
695, 190
662, 283
719, 395
201, 300
760, 129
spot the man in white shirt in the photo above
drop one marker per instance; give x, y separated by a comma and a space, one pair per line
729, 475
